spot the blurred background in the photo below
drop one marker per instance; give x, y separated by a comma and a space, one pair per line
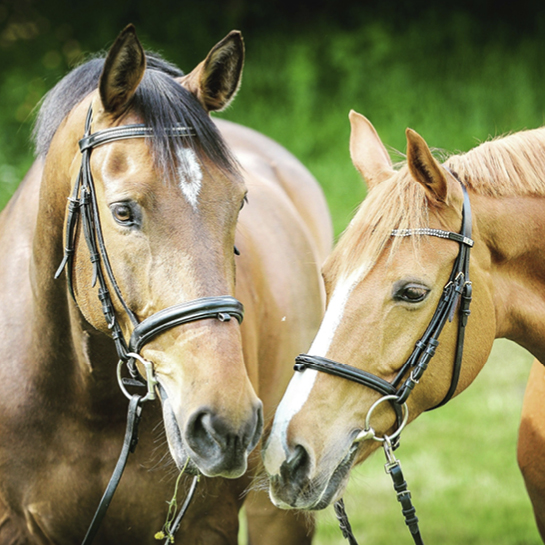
457, 74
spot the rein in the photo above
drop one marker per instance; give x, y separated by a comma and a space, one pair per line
456, 295
83, 207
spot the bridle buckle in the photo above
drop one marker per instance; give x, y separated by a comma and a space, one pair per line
391, 460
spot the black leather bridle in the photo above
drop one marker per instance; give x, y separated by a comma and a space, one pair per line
456, 295
83, 207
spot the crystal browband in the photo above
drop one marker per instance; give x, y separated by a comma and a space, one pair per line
433, 233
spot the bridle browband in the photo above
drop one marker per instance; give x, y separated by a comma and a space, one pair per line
83, 207
456, 294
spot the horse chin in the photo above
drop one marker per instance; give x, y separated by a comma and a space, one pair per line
312, 494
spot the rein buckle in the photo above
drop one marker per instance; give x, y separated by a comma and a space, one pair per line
391, 460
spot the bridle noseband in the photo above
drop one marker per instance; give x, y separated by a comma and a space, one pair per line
456, 294
83, 207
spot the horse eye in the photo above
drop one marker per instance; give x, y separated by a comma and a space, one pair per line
412, 293
244, 201
122, 213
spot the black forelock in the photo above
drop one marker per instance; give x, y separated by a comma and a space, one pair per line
160, 101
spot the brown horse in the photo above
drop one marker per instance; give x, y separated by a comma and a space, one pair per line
383, 290
169, 208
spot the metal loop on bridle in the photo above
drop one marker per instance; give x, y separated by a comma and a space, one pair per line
151, 380
369, 433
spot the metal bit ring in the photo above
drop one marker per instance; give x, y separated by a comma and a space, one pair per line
369, 432
151, 381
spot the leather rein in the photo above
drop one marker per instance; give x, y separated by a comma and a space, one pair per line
83, 208
456, 298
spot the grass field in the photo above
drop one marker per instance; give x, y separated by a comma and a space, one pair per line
455, 90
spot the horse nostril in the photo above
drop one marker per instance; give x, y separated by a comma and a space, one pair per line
208, 434
297, 466
203, 433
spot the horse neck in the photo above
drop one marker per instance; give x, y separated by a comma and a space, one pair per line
513, 230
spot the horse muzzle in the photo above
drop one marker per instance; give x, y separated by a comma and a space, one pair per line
215, 446
294, 487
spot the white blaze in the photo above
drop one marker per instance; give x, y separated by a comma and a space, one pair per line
302, 382
190, 176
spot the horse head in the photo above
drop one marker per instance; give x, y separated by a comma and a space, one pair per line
168, 209
383, 290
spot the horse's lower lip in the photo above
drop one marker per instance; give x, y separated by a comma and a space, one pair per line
337, 480
329, 493
174, 437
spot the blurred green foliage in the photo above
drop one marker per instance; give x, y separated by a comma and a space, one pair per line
456, 76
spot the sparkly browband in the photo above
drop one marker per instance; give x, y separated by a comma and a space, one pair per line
433, 233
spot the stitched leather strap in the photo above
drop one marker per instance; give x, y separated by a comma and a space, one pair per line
404, 498
383, 387
130, 131
457, 237
221, 308
319, 363
344, 523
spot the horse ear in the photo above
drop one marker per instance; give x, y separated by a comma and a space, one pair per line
215, 81
367, 151
425, 169
122, 73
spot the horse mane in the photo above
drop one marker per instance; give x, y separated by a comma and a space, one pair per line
161, 102
512, 165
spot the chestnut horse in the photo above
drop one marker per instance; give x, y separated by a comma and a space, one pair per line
384, 281
169, 210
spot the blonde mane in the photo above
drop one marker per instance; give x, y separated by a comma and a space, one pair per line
510, 166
